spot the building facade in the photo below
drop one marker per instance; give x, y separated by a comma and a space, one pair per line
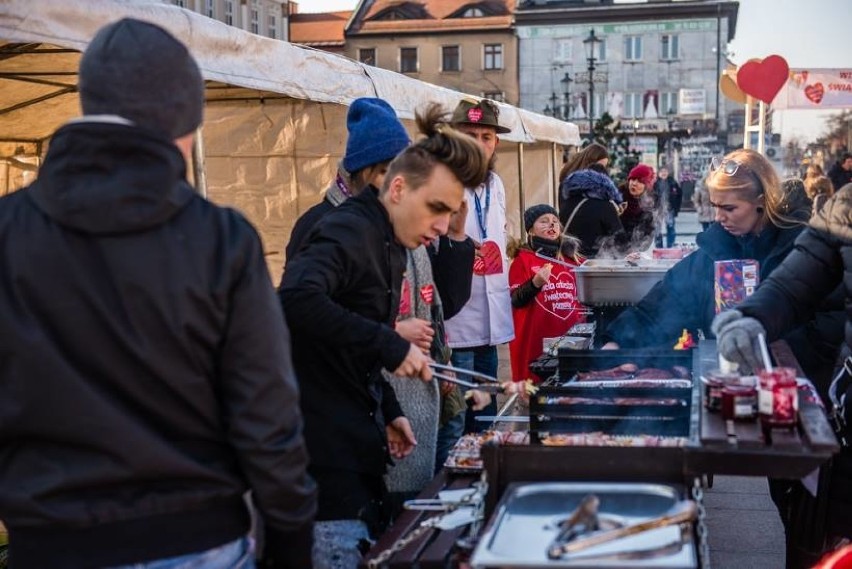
263, 17
656, 65
466, 46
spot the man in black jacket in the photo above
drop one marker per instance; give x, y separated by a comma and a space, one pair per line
820, 261
145, 367
840, 172
670, 196
340, 295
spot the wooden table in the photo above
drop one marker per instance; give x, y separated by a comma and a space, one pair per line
740, 448
434, 549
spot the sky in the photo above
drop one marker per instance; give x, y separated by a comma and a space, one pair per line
807, 33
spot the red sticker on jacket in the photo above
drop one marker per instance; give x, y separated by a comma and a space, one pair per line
427, 293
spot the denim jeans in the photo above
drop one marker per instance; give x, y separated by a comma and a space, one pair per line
339, 544
670, 230
448, 434
238, 554
482, 359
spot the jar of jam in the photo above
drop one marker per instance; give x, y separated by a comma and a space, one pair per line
714, 382
739, 399
778, 398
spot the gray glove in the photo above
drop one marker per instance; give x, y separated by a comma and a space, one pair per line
736, 339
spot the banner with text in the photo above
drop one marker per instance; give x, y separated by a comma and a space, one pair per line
816, 89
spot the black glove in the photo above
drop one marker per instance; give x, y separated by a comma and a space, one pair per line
287, 550
736, 339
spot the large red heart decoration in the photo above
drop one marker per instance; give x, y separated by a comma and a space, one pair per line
488, 260
763, 79
815, 92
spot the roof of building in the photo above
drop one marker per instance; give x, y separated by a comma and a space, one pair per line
319, 30
387, 16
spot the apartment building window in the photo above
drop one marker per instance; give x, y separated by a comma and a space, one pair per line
669, 47
272, 24
562, 50
633, 105
601, 49
498, 96
633, 48
367, 55
668, 103
210, 8
229, 12
180, 3
493, 56
254, 15
600, 105
450, 58
408, 60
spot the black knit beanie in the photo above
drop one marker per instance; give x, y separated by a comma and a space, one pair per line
536, 211
140, 72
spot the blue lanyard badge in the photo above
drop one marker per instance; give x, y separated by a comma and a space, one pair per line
482, 216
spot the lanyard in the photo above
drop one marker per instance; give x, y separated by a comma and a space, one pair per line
342, 186
482, 217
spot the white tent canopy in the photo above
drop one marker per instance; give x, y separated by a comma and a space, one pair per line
275, 119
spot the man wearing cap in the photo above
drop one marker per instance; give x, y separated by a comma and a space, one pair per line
145, 364
486, 319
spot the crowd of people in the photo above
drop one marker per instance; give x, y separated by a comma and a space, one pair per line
165, 394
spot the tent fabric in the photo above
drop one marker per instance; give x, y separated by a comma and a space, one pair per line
275, 115
228, 55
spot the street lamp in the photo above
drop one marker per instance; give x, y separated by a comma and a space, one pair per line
566, 94
591, 45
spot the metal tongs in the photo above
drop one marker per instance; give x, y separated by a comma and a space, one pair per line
682, 512
485, 383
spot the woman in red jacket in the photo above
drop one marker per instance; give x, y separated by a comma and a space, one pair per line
544, 292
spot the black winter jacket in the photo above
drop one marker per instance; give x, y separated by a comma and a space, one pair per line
820, 261
685, 296
340, 295
597, 217
144, 366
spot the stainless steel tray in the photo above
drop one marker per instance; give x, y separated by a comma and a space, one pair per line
615, 281
526, 521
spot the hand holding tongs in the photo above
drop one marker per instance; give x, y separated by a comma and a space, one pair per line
486, 382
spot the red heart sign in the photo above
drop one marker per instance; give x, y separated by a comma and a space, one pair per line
763, 79
427, 293
815, 92
474, 115
489, 260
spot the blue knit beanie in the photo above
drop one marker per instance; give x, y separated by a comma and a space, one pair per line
375, 134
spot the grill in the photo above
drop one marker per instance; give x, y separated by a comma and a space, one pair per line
602, 282
616, 407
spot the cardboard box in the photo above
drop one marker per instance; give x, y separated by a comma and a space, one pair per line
734, 281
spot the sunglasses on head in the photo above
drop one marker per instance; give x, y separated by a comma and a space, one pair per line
727, 166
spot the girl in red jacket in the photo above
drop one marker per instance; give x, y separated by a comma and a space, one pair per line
543, 287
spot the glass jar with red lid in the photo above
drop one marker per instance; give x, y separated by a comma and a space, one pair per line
739, 399
778, 398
